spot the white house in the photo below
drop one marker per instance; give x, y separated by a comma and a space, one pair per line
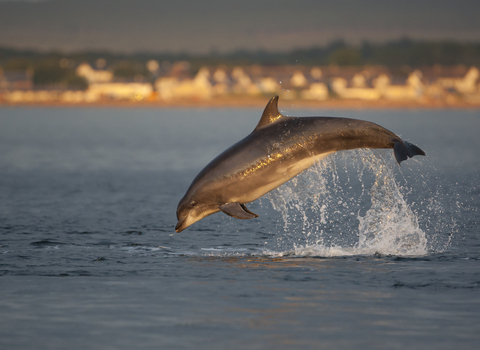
242, 83
298, 80
94, 75
412, 89
316, 91
465, 85
358, 89
173, 87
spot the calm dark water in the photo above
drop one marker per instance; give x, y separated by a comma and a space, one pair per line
356, 253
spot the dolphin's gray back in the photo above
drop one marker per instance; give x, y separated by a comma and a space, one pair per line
272, 155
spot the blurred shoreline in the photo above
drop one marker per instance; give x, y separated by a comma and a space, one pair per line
252, 86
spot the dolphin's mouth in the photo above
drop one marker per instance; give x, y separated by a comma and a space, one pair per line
181, 224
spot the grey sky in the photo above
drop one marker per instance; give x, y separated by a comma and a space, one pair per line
200, 26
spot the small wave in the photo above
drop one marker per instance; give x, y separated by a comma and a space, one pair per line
46, 243
317, 251
332, 252
140, 248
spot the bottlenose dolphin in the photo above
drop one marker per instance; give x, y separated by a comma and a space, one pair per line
278, 149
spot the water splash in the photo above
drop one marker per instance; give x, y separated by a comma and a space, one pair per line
327, 211
389, 226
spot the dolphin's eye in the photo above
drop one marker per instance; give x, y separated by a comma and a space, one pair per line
193, 204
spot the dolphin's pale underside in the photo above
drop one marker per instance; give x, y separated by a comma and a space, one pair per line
278, 149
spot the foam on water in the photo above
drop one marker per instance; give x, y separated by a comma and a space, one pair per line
347, 204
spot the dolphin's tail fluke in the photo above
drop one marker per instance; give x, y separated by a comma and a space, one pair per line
404, 150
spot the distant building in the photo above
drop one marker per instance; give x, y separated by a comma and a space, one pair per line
16, 80
221, 83
316, 91
269, 85
464, 85
173, 87
298, 80
242, 83
412, 89
357, 89
94, 75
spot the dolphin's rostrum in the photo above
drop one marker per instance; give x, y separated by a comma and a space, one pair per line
278, 149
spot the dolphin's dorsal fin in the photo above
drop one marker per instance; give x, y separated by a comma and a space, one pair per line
270, 114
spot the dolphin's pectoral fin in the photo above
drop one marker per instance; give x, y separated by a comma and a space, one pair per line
237, 210
404, 150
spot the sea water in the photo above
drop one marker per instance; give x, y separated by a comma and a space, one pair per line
355, 253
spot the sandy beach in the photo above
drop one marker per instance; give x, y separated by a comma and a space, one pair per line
258, 102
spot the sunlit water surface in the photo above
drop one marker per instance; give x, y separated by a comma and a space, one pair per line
355, 253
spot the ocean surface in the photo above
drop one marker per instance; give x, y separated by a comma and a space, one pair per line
355, 253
